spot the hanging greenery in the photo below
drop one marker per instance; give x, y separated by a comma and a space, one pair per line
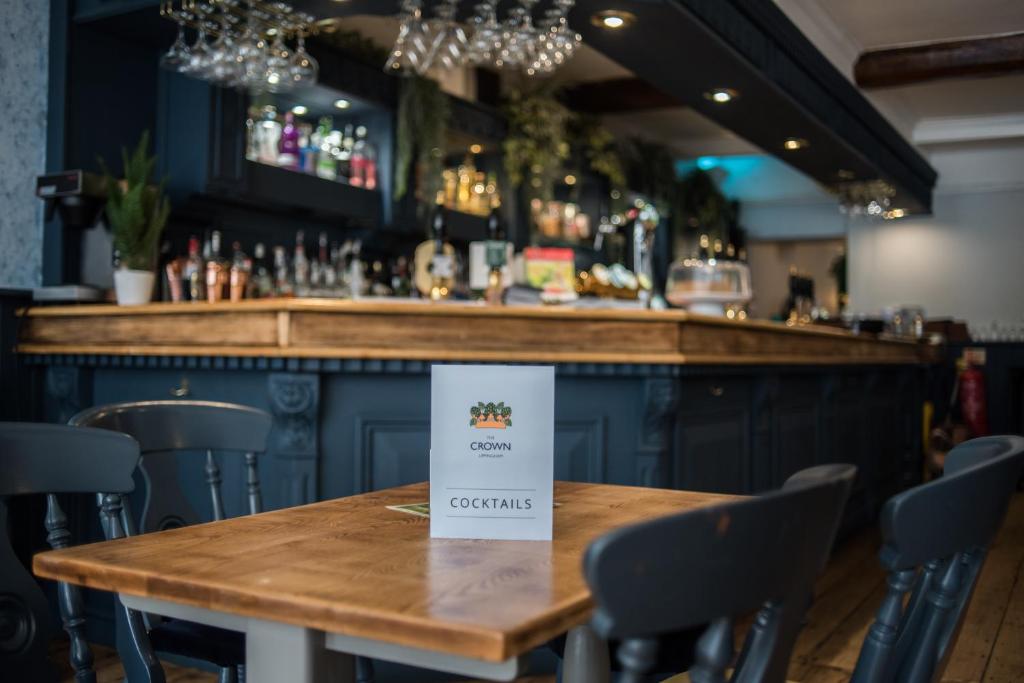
423, 112
537, 142
596, 148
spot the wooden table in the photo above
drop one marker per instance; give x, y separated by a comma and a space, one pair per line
350, 576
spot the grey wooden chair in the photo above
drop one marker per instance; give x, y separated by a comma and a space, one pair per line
52, 460
702, 568
164, 429
935, 538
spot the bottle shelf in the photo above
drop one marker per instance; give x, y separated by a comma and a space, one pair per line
282, 189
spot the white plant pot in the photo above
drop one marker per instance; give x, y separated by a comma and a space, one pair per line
133, 287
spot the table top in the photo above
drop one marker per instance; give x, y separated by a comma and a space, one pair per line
354, 567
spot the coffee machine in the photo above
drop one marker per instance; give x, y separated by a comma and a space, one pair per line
78, 197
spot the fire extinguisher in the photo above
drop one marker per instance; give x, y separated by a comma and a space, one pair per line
973, 407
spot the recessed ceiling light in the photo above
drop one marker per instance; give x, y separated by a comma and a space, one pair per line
476, 149
721, 95
613, 19
299, 110
845, 174
342, 104
793, 144
570, 179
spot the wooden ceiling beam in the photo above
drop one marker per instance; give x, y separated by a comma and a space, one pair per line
988, 56
616, 96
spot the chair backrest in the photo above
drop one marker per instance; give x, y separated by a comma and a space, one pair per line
934, 541
709, 565
54, 459
164, 428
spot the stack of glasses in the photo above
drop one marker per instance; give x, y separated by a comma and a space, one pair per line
518, 42
249, 48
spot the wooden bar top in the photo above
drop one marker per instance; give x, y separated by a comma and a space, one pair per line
354, 567
419, 330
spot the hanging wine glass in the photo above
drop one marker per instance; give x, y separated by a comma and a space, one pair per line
178, 54
411, 46
450, 46
486, 41
304, 69
277, 76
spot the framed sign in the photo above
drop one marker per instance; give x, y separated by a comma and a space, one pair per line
492, 432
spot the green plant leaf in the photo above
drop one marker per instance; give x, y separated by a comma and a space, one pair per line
137, 211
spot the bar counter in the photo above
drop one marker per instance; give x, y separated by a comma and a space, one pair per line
652, 398
415, 330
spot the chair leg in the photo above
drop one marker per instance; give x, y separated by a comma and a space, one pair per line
228, 674
364, 670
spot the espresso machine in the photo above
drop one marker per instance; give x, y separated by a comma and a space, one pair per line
78, 198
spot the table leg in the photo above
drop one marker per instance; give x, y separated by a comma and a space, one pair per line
277, 652
586, 657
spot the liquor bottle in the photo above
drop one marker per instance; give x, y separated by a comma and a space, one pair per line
330, 274
400, 284
319, 267
307, 152
442, 265
325, 163
241, 270
252, 149
300, 265
262, 281
344, 156
357, 175
217, 271
269, 136
496, 256
282, 283
288, 148
370, 166
195, 272
357, 271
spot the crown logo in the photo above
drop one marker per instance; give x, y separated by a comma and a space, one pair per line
490, 416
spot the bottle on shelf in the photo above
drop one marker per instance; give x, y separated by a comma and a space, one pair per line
262, 281
357, 272
269, 136
370, 165
357, 175
326, 166
282, 279
288, 156
442, 261
194, 272
217, 271
344, 154
300, 265
252, 150
241, 270
496, 256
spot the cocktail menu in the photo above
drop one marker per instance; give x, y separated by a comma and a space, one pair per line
492, 433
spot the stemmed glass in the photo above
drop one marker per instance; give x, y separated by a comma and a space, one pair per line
178, 54
486, 41
410, 49
450, 46
277, 75
304, 69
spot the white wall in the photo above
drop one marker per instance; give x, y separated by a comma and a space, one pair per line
966, 261
23, 81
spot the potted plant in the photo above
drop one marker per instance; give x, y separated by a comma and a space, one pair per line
137, 212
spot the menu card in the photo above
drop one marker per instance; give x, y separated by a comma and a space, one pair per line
492, 432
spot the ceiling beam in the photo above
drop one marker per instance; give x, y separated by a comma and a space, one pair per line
987, 56
616, 96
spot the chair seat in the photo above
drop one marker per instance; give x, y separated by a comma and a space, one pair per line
189, 639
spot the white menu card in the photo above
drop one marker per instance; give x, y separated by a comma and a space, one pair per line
492, 433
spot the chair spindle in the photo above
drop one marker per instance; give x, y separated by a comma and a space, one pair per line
213, 479
714, 653
939, 603
252, 482
69, 597
638, 657
881, 639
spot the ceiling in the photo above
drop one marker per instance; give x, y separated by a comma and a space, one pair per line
951, 111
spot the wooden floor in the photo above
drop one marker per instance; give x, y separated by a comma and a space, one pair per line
990, 648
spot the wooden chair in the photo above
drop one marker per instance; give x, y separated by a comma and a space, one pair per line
163, 429
52, 460
704, 567
935, 538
